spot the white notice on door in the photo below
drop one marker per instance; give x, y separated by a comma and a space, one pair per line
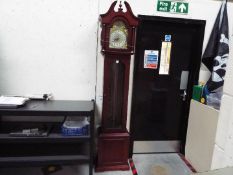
165, 58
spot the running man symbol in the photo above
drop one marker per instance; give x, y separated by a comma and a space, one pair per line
173, 7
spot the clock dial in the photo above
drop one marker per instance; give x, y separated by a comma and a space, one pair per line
118, 39
118, 36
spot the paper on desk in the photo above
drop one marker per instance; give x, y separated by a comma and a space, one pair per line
4, 100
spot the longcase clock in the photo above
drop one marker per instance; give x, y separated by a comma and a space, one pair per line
117, 40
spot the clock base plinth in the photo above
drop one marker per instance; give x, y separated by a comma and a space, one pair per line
113, 152
102, 168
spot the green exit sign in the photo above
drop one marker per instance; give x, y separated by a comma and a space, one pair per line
173, 6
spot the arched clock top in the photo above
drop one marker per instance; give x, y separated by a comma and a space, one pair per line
118, 30
111, 14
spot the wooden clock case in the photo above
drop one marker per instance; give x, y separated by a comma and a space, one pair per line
113, 138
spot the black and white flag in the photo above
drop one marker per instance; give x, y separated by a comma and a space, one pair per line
217, 52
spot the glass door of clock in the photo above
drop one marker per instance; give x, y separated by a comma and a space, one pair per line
167, 61
114, 117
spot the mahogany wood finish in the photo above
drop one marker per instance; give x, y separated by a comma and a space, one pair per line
113, 149
113, 140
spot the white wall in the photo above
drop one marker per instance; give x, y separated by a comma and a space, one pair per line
223, 152
48, 46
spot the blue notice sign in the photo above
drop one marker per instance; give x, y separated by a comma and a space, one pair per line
168, 38
151, 58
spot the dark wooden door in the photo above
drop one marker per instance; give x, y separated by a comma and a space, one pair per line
160, 103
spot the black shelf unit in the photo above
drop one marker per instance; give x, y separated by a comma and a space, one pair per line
55, 149
52, 137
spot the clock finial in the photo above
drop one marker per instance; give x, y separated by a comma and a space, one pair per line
120, 7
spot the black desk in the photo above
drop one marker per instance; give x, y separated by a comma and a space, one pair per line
53, 149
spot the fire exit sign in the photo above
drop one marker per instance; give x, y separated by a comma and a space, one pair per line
173, 6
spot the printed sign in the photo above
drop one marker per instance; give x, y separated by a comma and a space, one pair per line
173, 6
165, 58
168, 38
151, 58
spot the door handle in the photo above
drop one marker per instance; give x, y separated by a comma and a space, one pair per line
184, 80
183, 95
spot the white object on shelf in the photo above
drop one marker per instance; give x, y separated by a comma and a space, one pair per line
4, 100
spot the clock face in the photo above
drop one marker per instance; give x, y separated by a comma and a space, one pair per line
118, 36
118, 39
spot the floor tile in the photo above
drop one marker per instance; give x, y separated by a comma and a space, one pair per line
160, 164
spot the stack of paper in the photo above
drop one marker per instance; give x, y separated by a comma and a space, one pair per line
12, 101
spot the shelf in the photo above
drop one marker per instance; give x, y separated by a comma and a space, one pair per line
40, 160
53, 137
29, 149
52, 108
54, 149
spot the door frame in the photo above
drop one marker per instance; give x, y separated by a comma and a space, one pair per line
193, 76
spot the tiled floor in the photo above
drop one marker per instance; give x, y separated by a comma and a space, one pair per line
160, 164
146, 164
